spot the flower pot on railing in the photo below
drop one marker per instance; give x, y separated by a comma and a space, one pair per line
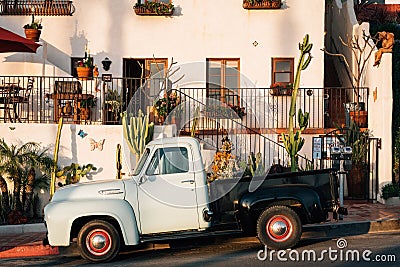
83, 73
359, 117
262, 4
154, 9
281, 91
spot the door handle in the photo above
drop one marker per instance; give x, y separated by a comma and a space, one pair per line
187, 181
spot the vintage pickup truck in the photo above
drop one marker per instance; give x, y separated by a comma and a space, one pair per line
168, 198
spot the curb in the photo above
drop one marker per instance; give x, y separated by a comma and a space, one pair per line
22, 229
350, 228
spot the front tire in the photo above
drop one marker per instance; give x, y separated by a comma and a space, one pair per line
279, 227
98, 241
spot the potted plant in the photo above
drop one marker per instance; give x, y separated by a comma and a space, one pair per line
85, 66
165, 105
112, 105
262, 4
154, 8
359, 141
33, 29
85, 107
391, 193
281, 89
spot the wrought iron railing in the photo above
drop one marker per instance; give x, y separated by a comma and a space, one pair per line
221, 123
266, 113
36, 7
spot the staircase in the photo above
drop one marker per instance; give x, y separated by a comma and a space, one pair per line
245, 139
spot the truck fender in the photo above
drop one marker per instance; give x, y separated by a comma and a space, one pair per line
60, 217
260, 199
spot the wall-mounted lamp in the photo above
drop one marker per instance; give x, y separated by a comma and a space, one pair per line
106, 63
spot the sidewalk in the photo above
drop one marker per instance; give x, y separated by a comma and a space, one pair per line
26, 241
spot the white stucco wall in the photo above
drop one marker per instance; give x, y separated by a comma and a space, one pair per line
197, 30
73, 148
379, 81
343, 20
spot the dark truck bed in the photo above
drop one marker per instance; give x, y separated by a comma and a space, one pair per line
238, 200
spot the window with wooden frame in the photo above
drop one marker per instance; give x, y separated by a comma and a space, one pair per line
223, 80
282, 70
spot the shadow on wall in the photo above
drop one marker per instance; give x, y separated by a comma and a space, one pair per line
54, 56
48, 53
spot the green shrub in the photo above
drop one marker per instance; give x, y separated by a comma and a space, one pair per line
390, 190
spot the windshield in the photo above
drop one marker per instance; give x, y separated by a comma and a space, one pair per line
141, 162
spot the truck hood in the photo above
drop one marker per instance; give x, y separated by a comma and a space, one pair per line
114, 189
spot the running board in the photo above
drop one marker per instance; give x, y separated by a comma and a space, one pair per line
188, 234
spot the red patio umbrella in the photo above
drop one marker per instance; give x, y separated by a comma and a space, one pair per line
11, 42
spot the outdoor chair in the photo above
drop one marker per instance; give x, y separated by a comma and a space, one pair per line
21, 101
7, 91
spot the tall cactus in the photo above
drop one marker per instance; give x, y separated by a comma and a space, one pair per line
137, 132
118, 162
293, 141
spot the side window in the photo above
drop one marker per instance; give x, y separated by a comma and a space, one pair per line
143, 159
153, 168
283, 70
169, 161
175, 160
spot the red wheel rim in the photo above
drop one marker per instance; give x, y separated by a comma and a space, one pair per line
279, 228
98, 242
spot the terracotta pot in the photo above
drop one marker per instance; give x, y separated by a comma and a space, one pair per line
359, 117
161, 120
68, 108
83, 73
356, 182
33, 34
85, 113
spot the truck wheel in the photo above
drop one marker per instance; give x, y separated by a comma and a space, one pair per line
279, 227
98, 241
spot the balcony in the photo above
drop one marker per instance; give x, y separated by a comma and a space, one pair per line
262, 4
154, 9
41, 8
97, 102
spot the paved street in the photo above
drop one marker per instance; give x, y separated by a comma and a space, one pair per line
243, 252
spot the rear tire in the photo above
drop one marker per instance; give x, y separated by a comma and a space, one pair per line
279, 227
98, 241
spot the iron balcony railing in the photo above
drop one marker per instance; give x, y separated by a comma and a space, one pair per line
36, 7
262, 109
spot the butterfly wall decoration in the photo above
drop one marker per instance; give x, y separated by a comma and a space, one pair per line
98, 145
82, 134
